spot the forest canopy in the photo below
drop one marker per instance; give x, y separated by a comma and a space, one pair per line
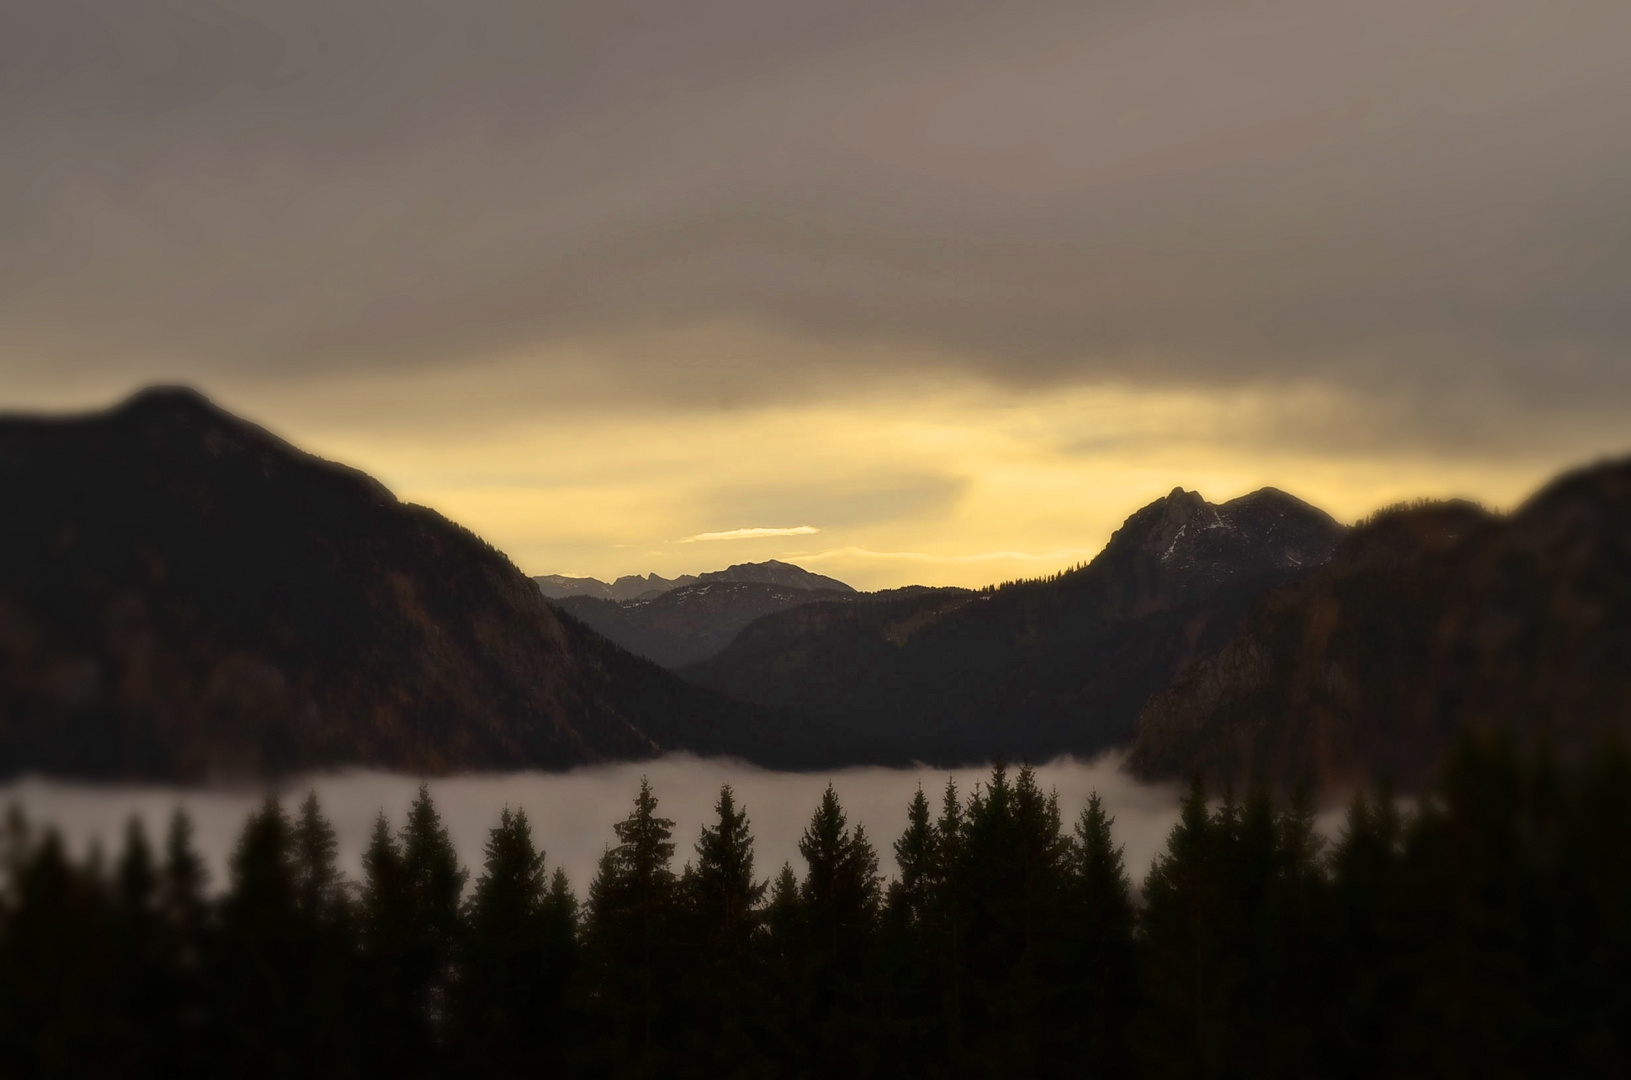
1485, 932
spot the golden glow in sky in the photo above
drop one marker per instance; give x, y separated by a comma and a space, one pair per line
955, 485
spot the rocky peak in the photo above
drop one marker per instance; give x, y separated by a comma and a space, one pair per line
1195, 541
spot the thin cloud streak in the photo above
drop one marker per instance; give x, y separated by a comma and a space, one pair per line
1052, 558
750, 534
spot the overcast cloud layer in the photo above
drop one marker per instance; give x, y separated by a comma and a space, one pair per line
1383, 224
1425, 190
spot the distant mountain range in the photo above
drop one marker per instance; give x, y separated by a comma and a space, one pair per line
691, 623
1429, 621
1040, 668
693, 617
634, 587
627, 587
182, 595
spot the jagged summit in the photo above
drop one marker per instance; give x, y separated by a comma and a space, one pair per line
1263, 529
1429, 620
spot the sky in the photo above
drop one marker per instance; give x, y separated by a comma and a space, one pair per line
898, 290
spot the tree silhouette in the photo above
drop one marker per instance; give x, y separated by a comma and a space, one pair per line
724, 1000
1101, 938
633, 905
839, 900
509, 983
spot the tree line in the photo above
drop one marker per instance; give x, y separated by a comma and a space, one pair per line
1485, 933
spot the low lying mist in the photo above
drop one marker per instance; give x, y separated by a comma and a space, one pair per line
572, 813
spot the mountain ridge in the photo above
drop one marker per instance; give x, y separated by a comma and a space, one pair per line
185, 595
636, 587
1429, 621
1032, 669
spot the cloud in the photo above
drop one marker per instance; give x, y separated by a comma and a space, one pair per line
954, 279
1052, 559
755, 201
751, 534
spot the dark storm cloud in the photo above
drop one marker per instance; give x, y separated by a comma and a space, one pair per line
1421, 200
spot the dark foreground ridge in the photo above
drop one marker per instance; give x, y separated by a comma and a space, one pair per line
1429, 621
183, 595
1483, 936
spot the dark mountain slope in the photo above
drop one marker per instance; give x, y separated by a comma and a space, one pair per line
688, 624
1427, 622
1039, 668
182, 595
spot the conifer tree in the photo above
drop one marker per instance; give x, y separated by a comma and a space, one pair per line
1364, 934
948, 839
840, 893
186, 921
784, 916
142, 957
435, 883
1182, 1033
912, 964
949, 901
917, 855
318, 891
1014, 871
136, 880
633, 904
257, 965
385, 900
395, 1032
183, 880
725, 995
508, 981
839, 901
326, 946
560, 913
562, 918
723, 888
58, 993
1104, 924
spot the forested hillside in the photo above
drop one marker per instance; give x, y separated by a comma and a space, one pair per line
1483, 935
184, 595
1429, 621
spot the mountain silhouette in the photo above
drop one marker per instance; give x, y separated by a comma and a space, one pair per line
635, 587
1429, 621
627, 587
1038, 668
691, 623
183, 595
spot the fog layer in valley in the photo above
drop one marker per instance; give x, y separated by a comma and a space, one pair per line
572, 813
